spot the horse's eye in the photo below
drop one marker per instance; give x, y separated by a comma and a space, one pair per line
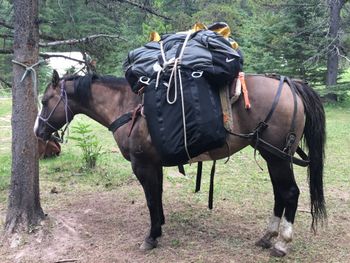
44, 102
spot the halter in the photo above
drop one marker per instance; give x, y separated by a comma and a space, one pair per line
64, 98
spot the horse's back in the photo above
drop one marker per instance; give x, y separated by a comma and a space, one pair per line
262, 91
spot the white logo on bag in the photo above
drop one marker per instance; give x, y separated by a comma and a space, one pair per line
157, 67
230, 60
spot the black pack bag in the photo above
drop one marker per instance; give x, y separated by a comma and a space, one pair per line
203, 117
139, 64
205, 51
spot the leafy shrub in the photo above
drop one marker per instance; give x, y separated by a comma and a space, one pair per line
88, 143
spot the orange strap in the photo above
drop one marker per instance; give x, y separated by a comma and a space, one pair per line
244, 90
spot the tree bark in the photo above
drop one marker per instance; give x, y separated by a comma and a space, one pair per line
335, 7
24, 209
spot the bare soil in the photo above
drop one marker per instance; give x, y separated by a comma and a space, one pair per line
110, 226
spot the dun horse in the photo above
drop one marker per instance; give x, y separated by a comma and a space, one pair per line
283, 108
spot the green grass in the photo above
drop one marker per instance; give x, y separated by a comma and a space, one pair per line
5, 146
67, 170
113, 170
345, 77
5, 108
243, 195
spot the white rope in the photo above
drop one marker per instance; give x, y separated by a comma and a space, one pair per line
30, 69
173, 74
184, 45
183, 116
162, 52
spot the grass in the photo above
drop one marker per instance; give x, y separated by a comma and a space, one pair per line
242, 199
5, 146
63, 171
345, 77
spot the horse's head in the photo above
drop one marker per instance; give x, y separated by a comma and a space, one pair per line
55, 112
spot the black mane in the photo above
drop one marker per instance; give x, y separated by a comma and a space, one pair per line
82, 85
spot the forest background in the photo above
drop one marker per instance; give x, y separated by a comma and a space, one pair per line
292, 37
302, 39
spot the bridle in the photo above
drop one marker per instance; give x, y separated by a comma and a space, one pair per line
64, 99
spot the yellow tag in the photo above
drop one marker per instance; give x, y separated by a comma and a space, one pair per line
154, 36
224, 31
234, 45
198, 26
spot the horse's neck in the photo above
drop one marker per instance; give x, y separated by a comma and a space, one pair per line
107, 104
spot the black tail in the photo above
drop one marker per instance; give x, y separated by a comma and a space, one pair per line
315, 138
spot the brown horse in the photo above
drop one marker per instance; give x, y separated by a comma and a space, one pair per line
296, 110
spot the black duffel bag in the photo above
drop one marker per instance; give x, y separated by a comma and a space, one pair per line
139, 64
205, 51
197, 108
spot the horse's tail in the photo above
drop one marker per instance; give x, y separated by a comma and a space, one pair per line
315, 138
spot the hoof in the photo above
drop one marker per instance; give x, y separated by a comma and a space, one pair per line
277, 253
264, 243
148, 244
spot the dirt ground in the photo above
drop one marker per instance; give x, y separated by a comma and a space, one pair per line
109, 227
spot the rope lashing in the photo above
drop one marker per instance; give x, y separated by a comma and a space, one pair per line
30, 69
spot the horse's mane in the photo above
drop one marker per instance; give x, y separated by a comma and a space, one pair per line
82, 85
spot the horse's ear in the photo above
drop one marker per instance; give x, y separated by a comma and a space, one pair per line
55, 78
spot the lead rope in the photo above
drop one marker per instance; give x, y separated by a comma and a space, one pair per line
30, 69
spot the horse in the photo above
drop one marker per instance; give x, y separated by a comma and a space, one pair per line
277, 104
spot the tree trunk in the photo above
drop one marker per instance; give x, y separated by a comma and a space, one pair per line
24, 209
333, 59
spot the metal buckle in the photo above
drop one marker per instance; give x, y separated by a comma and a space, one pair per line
145, 80
197, 74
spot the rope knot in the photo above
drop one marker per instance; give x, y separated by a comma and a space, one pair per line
30, 69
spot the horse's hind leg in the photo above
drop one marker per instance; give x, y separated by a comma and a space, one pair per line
274, 221
286, 194
151, 179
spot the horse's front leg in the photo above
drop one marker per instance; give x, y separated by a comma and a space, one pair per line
151, 179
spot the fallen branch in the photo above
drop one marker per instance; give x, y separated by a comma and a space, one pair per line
78, 41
